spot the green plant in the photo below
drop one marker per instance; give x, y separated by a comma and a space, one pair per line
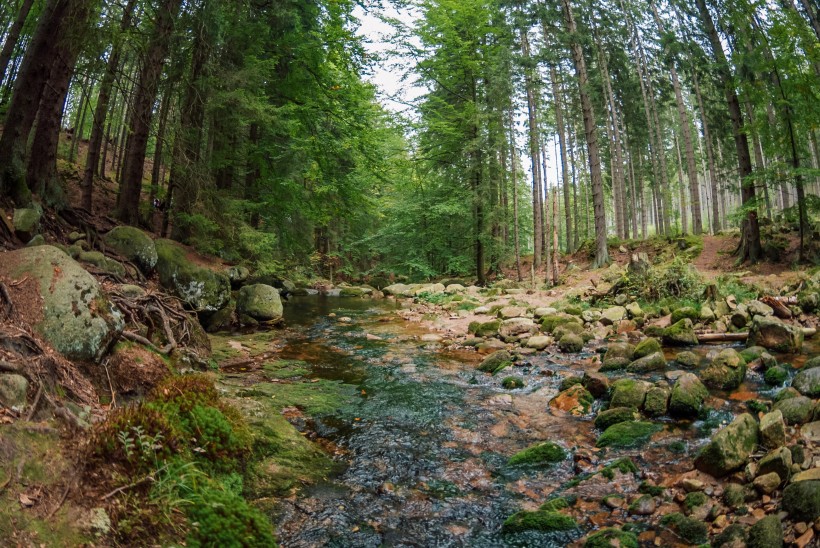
223, 519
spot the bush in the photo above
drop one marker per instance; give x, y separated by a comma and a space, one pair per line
676, 279
223, 519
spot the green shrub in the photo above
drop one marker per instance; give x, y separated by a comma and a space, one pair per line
543, 453
223, 519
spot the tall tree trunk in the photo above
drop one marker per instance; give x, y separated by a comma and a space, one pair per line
590, 130
535, 154
156, 168
749, 247
681, 189
13, 36
101, 109
562, 143
35, 70
139, 123
514, 183
710, 157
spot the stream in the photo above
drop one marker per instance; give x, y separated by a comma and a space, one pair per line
422, 447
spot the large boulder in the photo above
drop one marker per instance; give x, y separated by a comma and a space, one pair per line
517, 326
652, 362
687, 397
802, 500
26, 222
726, 371
681, 333
796, 410
618, 355
807, 382
133, 244
771, 333
200, 288
613, 315
629, 393
730, 448
76, 318
259, 301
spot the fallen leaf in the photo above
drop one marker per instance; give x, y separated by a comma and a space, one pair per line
25, 500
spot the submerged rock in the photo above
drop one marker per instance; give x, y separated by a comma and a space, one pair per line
730, 448
78, 321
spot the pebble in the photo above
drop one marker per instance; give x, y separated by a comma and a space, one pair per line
804, 539
801, 527
692, 484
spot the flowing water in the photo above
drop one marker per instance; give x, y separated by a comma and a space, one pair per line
422, 447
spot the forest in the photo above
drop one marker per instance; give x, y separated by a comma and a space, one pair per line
565, 190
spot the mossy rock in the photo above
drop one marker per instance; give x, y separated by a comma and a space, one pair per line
681, 333
484, 329
734, 535
539, 520
730, 447
102, 262
571, 327
773, 334
629, 393
766, 533
685, 312
627, 434
199, 288
648, 346
777, 376
690, 530
495, 361
259, 301
133, 244
571, 343
612, 538
543, 453
752, 353
802, 500
618, 355
550, 322
512, 383
607, 418
657, 401
688, 395
648, 364
726, 372
807, 382
796, 410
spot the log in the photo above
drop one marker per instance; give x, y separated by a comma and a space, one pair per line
778, 304
734, 337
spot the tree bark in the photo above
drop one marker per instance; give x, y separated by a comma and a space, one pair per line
562, 143
710, 157
139, 124
13, 36
590, 131
534, 141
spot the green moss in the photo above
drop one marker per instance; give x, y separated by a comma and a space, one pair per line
512, 383
627, 434
802, 500
610, 538
314, 398
223, 519
646, 347
607, 418
484, 329
543, 453
690, 530
623, 465
286, 369
555, 505
733, 535
649, 489
766, 533
538, 521
695, 499
776, 375
549, 323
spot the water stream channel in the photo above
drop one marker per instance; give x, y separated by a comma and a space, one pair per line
422, 441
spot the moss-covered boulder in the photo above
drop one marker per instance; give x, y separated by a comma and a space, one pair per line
613, 315
238, 275
551, 321
484, 329
685, 312
687, 359
795, 410
726, 372
649, 345
773, 334
681, 333
629, 393
777, 460
614, 415
133, 244
688, 395
259, 301
618, 355
776, 375
102, 262
516, 327
807, 382
802, 500
575, 400
730, 447
690, 530
26, 222
627, 434
201, 289
612, 538
543, 453
647, 364
539, 520
496, 361
74, 315
221, 319
571, 343
657, 401
772, 430
766, 533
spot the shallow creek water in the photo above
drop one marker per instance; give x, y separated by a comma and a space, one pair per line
422, 448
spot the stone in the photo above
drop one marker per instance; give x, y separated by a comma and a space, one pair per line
542, 311
201, 289
38, 239
681, 333
13, 390
355, 291
496, 360
687, 359
811, 432
78, 320
259, 301
484, 329
220, 320
614, 415
778, 460
688, 395
618, 355
133, 244
517, 326
772, 430
757, 308
132, 291
627, 434
726, 372
773, 334
707, 314
591, 316
740, 318
511, 312
730, 447
647, 364
26, 222
549, 323
574, 328
776, 376
684, 312
398, 290
807, 382
612, 315
491, 344
766, 533
634, 310
102, 262
571, 343
452, 289
657, 401
766, 484
596, 383
802, 500
644, 505
629, 393
812, 474
575, 400
238, 275
795, 410
646, 347
539, 342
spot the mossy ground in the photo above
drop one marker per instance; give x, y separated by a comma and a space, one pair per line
627, 434
540, 520
543, 453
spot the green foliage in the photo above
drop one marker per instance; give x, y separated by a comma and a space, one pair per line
220, 518
545, 521
688, 529
543, 453
677, 279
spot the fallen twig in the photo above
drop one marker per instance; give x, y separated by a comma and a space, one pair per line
35, 403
